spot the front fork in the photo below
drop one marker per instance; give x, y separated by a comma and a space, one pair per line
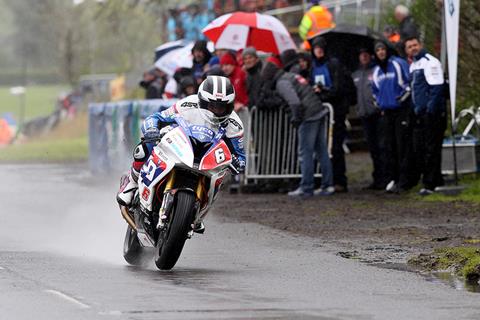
169, 197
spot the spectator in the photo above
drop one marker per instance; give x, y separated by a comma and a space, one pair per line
289, 60
189, 22
391, 91
253, 67
391, 34
201, 56
238, 78
328, 76
407, 28
316, 19
308, 113
201, 20
154, 82
268, 98
172, 24
215, 70
429, 107
305, 63
371, 117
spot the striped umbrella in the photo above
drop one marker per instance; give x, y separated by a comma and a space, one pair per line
239, 30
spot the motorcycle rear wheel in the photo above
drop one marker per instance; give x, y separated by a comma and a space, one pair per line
132, 249
171, 241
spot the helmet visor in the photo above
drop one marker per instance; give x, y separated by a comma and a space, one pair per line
220, 109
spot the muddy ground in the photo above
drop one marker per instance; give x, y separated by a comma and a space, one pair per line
372, 226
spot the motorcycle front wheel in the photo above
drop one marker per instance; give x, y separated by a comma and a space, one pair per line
171, 241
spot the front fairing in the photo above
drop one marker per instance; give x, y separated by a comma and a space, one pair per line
176, 150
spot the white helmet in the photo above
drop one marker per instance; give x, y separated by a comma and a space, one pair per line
216, 94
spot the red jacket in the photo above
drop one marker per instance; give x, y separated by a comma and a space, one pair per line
239, 81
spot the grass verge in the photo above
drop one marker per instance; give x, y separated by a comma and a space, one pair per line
463, 261
67, 142
39, 100
471, 193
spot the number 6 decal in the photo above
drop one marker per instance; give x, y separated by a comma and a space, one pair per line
219, 155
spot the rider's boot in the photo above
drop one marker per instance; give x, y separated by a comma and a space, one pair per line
129, 183
128, 187
199, 227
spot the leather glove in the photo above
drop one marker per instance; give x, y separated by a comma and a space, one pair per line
152, 134
236, 166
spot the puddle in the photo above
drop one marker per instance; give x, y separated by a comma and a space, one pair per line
453, 281
444, 277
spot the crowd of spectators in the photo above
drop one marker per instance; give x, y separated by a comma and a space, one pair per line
187, 22
397, 89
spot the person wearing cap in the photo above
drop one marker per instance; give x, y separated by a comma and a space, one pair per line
390, 88
308, 114
327, 77
316, 19
371, 118
289, 60
253, 67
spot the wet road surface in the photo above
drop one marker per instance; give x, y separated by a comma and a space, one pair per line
60, 258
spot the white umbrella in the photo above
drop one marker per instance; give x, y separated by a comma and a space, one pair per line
177, 57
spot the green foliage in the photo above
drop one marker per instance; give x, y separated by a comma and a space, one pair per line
92, 37
428, 15
465, 261
470, 194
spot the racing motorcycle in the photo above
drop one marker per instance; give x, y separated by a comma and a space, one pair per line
177, 186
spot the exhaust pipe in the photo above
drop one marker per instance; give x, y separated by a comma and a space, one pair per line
128, 217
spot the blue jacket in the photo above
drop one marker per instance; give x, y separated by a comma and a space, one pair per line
389, 85
427, 84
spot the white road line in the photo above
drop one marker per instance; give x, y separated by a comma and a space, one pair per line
68, 298
2, 268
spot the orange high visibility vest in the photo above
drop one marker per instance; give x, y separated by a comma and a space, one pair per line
321, 19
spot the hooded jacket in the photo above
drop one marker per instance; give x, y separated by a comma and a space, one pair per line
330, 74
304, 104
390, 82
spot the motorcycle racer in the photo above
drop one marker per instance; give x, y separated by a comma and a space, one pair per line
214, 103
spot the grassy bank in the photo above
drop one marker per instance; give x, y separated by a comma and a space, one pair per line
39, 100
471, 192
463, 261
67, 142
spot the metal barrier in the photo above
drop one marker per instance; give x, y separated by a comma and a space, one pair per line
272, 146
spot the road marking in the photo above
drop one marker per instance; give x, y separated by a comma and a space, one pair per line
68, 298
2, 268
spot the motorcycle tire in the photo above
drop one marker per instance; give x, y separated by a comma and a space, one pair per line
132, 249
170, 247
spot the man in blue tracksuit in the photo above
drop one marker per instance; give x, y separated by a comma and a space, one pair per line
391, 91
428, 99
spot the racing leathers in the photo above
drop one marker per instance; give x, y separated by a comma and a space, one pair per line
159, 120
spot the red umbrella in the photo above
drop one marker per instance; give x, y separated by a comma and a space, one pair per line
239, 30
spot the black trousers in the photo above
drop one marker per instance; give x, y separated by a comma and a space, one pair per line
374, 133
428, 138
397, 130
338, 155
